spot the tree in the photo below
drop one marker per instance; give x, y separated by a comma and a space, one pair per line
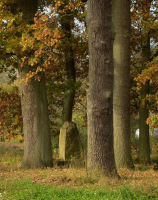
143, 58
144, 143
121, 89
100, 92
68, 11
66, 23
53, 49
37, 146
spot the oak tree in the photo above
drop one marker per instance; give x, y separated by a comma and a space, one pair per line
100, 156
121, 88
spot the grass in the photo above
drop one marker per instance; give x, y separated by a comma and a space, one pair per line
71, 183
28, 190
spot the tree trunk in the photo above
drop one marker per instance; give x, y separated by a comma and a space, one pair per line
70, 94
121, 90
70, 68
144, 143
28, 8
100, 158
37, 138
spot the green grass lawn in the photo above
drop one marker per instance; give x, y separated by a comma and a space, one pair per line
70, 183
27, 190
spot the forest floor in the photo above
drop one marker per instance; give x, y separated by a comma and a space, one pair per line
69, 182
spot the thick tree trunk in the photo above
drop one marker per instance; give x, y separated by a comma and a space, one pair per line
37, 138
70, 68
144, 143
121, 90
100, 158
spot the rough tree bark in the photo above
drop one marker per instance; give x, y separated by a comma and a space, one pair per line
121, 91
37, 138
100, 157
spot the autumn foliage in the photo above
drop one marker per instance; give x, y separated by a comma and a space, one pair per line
42, 44
43, 41
141, 71
10, 112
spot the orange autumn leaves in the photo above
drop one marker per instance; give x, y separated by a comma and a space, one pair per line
144, 22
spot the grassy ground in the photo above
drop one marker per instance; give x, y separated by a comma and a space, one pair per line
70, 183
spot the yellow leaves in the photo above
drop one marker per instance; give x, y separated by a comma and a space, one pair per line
33, 74
153, 121
10, 22
57, 33
25, 59
155, 24
39, 69
20, 138
13, 44
27, 42
22, 80
54, 15
150, 73
58, 4
33, 61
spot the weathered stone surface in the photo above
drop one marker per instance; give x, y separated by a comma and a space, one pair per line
69, 142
